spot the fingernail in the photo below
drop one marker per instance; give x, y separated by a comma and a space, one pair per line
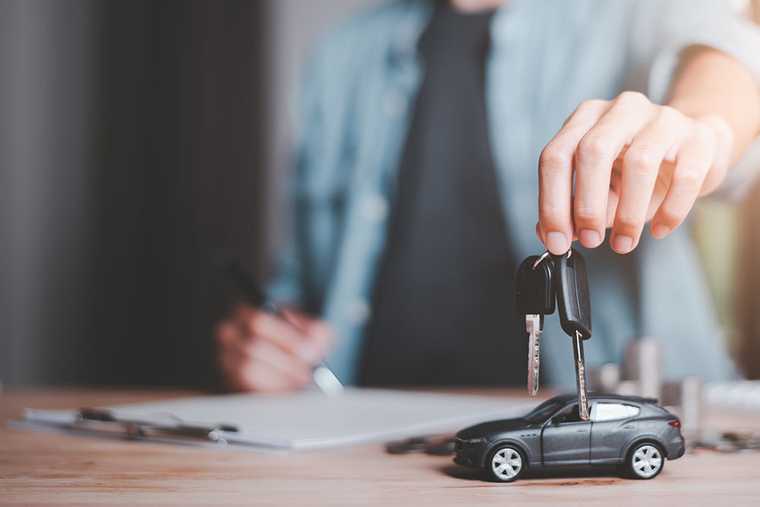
659, 231
622, 244
556, 243
590, 238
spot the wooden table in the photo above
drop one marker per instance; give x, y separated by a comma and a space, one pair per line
54, 469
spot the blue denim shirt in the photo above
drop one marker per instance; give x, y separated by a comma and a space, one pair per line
545, 58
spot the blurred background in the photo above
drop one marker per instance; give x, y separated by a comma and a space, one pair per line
139, 141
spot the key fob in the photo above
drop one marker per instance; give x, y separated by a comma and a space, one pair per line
573, 295
534, 291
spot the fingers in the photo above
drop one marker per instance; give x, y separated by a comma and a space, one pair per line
619, 164
612, 202
255, 374
313, 329
297, 371
724, 147
264, 352
555, 168
693, 163
290, 338
641, 167
595, 156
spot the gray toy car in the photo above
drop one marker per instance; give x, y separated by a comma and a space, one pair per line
624, 431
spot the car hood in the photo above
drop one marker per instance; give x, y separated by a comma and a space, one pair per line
487, 429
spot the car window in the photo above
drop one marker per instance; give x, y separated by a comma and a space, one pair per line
568, 415
611, 411
543, 411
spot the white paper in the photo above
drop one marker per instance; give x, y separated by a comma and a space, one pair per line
310, 419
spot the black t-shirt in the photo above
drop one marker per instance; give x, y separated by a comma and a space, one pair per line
442, 306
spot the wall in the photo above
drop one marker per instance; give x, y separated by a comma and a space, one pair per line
140, 142
132, 154
47, 166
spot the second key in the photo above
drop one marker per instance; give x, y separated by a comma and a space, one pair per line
574, 305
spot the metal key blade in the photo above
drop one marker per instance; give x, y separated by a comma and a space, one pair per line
580, 375
534, 298
533, 326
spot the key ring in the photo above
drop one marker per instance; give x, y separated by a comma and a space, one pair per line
540, 259
545, 255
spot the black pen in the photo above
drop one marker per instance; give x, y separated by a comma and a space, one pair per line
246, 284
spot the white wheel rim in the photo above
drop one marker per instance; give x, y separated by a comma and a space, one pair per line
506, 463
647, 461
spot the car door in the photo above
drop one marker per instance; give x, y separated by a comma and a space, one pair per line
613, 424
565, 439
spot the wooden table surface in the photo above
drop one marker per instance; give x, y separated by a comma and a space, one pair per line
38, 468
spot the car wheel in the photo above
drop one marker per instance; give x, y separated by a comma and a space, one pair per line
645, 461
506, 464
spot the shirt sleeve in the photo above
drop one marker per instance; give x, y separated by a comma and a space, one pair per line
315, 189
662, 30
287, 283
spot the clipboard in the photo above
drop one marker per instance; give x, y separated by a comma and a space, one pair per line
304, 420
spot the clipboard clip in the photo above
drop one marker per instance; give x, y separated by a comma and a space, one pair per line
104, 421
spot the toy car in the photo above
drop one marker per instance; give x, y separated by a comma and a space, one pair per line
624, 431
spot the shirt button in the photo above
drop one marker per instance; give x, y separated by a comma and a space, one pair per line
358, 312
393, 104
374, 208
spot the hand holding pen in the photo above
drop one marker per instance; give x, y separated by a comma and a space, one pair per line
262, 347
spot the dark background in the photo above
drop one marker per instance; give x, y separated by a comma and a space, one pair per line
139, 141
138, 151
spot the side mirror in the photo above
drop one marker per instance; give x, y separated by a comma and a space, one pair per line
555, 421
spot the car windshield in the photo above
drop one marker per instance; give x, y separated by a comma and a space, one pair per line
542, 412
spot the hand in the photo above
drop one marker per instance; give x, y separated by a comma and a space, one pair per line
621, 163
258, 351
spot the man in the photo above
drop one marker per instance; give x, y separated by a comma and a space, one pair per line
416, 191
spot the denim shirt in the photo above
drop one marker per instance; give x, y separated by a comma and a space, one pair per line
545, 58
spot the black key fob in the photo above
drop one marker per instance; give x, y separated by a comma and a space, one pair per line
573, 295
534, 293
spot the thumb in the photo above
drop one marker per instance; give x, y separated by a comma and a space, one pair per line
311, 327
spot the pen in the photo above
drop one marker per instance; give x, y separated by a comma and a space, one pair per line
246, 284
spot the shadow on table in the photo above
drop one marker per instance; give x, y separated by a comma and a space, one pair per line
598, 477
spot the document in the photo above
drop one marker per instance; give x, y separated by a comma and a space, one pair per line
311, 419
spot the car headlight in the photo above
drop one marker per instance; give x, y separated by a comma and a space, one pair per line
473, 441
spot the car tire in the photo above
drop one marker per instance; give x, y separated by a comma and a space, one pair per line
645, 461
506, 463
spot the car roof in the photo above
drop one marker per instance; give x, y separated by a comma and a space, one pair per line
567, 398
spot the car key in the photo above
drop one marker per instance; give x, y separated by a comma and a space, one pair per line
534, 298
574, 302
